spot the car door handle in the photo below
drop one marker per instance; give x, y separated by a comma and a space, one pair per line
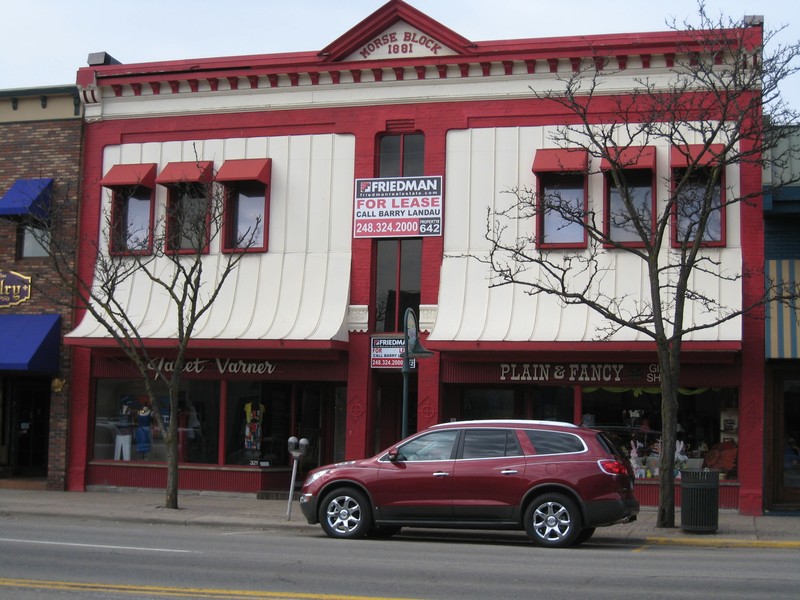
509, 472
440, 474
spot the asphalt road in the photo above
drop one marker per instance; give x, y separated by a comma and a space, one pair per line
70, 558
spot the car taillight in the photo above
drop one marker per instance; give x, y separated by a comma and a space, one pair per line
613, 466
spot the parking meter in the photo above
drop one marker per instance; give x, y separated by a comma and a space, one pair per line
298, 449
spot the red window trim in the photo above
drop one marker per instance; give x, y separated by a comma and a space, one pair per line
567, 160
723, 238
631, 158
242, 170
540, 182
172, 190
230, 191
117, 189
129, 175
186, 172
698, 155
175, 173
120, 177
246, 169
555, 161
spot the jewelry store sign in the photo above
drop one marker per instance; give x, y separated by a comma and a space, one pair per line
398, 207
15, 288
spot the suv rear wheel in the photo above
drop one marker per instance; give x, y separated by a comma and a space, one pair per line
553, 521
345, 514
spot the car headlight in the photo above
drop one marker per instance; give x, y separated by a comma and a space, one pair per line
315, 475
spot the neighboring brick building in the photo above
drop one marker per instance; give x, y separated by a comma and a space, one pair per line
40, 152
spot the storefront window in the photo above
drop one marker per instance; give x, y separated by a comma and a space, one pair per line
707, 433
126, 430
257, 424
546, 403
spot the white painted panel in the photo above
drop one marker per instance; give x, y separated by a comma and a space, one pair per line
299, 289
481, 163
457, 192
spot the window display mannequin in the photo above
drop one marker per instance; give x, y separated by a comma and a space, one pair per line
143, 418
122, 443
253, 427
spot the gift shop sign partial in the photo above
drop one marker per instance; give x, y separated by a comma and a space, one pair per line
398, 207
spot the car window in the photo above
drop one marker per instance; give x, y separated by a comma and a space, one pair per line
490, 443
437, 445
554, 442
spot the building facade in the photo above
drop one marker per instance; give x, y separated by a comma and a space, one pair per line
40, 147
371, 164
782, 256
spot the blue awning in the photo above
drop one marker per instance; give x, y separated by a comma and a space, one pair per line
27, 197
30, 343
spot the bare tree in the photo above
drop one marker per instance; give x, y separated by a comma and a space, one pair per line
719, 107
174, 256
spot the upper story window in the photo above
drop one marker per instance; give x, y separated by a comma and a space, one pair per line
246, 216
561, 197
401, 155
188, 205
33, 241
399, 277
131, 207
629, 195
27, 203
699, 187
399, 261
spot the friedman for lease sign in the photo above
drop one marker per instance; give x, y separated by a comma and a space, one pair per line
398, 207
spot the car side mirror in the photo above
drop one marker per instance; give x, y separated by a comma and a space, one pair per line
393, 454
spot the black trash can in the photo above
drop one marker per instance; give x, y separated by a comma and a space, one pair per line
700, 500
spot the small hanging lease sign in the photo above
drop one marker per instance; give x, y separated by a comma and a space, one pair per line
14, 288
398, 207
387, 353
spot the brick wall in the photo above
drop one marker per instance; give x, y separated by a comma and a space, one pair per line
33, 150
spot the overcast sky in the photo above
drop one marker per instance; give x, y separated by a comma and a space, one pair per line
44, 42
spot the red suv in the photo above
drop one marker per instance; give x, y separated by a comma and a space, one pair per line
556, 481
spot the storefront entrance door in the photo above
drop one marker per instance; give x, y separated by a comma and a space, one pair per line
787, 430
28, 426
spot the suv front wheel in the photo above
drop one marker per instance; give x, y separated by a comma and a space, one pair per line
345, 514
553, 521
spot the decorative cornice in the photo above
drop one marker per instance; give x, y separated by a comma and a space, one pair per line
363, 73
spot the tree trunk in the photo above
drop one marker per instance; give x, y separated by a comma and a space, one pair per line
669, 361
170, 442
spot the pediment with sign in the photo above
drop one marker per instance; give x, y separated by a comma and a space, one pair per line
396, 30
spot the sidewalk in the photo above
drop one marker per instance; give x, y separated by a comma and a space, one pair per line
234, 510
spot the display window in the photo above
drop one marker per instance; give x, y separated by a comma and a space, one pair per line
546, 403
247, 425
707, 435
126, 430
708, 419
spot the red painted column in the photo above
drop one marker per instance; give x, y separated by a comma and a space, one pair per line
428, 390
752, 390
359, 398
79, 420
